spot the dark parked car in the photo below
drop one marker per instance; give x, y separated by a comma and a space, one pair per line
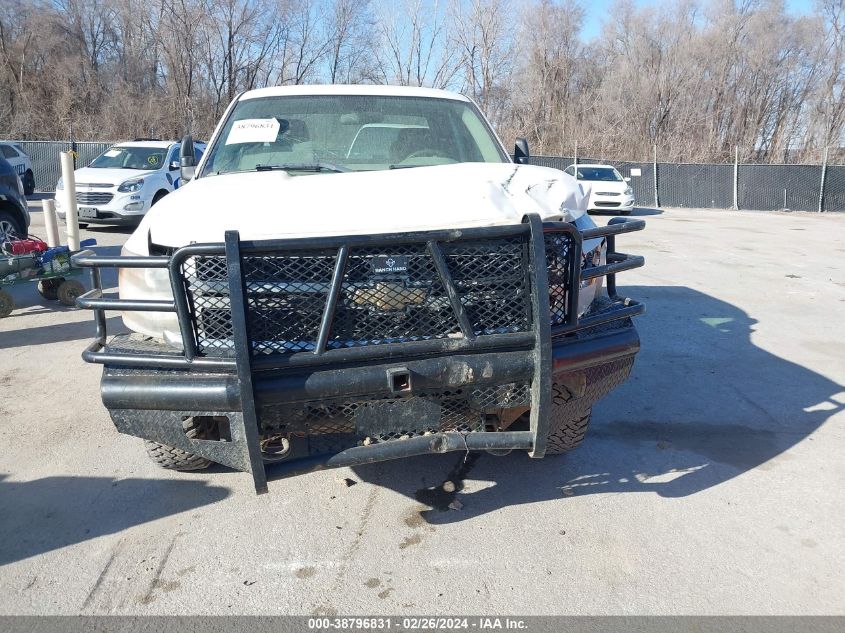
14, 216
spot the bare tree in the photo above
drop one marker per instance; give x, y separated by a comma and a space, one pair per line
414, 49
695, 77
484, 37
350, 26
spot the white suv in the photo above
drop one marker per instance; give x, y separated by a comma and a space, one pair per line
122, 183
18, 159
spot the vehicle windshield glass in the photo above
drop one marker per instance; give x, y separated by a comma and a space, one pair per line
358, 133
130, 158
603, 174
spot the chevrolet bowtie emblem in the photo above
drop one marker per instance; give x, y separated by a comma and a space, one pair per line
389, 296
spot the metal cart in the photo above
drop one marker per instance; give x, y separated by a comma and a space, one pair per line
52, 270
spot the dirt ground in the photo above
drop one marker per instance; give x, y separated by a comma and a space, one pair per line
710, 482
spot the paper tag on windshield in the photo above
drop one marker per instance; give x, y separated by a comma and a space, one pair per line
112, 153
253, 131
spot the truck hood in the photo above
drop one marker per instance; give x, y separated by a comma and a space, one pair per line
113, 176
274, 204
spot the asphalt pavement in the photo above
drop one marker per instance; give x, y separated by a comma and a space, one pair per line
710, 482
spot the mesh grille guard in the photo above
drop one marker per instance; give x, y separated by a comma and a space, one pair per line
386, 294
308, 301
245, 307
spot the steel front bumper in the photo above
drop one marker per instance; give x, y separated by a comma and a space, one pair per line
395, 399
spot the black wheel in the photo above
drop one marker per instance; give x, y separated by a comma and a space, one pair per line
49, 288
175, 458
6, 304
28, 183
10, 227
567, 435
568, 421
68, 291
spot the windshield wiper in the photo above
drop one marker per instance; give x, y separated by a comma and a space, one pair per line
406, 166
317, 167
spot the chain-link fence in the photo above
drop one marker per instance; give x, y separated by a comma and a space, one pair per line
46, 164
714, 186
834, 188
696, 185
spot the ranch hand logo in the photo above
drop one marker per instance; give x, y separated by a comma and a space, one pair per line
389, 264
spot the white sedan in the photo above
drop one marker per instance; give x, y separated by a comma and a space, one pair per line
608, 190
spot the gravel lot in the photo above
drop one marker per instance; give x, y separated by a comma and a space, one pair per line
708, 483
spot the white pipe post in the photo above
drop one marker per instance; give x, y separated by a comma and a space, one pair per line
656, 193
71, 212
824, 176
736, 177
50, 222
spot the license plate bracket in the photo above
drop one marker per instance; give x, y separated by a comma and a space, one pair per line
89, 212
397, 416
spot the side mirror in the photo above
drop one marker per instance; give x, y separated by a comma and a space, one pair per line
627, 179
187, 159
520, 151
175, 165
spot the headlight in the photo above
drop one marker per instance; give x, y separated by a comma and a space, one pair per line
629, 191
21, 190
131, 186
148, 283
60, 185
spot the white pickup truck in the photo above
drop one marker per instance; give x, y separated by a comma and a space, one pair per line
309, 300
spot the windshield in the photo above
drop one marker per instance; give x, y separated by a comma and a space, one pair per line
350, 132
130, 158
603, 174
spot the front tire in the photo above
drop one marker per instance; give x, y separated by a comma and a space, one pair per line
10, 227
171, 458
568, 421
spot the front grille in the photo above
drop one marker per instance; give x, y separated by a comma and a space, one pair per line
465, 410
93, 197
95, 185
560, 268
607, 193
286, 296
607, 204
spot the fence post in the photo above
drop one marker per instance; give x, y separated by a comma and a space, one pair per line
656, 195
736, 177
576, 152
824, 176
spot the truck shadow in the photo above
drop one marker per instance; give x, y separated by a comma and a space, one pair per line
703, 405
46, 514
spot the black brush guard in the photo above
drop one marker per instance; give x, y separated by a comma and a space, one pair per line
240, 358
